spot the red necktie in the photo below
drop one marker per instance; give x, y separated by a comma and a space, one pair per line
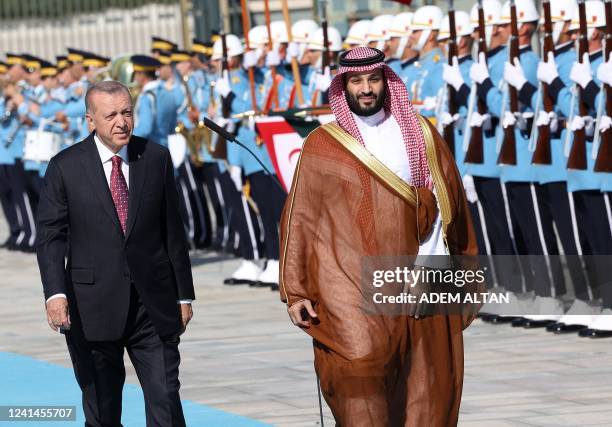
119, 191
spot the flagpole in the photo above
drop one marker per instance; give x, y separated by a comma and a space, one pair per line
295, 68
246, 26
274, 88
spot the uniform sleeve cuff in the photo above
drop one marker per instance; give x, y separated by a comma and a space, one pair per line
484, 88
526, 93
184, 301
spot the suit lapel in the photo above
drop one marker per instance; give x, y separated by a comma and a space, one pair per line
99, 184
137, 179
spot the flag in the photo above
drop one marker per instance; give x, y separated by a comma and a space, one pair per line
406, 2
283, 133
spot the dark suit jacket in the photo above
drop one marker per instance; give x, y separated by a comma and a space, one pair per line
77, 218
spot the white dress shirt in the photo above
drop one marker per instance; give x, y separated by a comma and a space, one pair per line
383, 138
106, 156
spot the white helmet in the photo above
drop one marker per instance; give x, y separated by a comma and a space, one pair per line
525, 12
279, 32
315, 42
561, 11
401, 28
234, 47
302, 29
463, 24
258, 36
595, 15
427, 19
358, 33
380, 28
492, 13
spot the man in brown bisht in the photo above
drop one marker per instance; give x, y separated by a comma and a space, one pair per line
379, 181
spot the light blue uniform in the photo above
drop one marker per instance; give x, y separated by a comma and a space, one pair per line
578, 180
489, 168
430, 79
522, 171
241, 102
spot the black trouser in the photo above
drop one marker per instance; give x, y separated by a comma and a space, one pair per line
555, 198
192, 206
210, 175
492, 200
33, 186
240, 218
594, 226
270, 199
535, 239
100, 372
18, 182
7, 199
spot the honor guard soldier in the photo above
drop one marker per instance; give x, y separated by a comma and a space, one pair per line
424, 39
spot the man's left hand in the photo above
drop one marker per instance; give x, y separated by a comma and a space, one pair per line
186, 315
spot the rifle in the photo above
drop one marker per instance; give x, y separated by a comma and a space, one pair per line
475, 152
507, 155
273, 95
449, 130
326, 51
603, 161
295, 68
542, 154
577, 158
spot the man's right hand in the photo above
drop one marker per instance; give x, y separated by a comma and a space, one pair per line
296, 310
57, 314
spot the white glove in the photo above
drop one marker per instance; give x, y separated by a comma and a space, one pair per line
605, 123
477, 119
452, 75
514, 74
604, 71
548, 119
547, 70
447, 119
250, 59
577, 123
479, 71
581, 72
508, 120
236, 175
272, 59
323, 81
430, 103
470, 188
223, 85
293, 50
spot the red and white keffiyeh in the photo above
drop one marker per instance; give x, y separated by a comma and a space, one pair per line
363, 59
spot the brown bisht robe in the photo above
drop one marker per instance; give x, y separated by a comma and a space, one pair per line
375, 370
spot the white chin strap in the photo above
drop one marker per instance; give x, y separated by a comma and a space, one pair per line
557, 28
488, 34
422, 40
380, 45
401, 47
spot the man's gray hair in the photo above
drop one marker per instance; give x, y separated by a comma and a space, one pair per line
110, 87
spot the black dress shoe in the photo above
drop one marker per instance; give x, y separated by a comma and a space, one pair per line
497, 319
530, 324
259, 284
274, 287
562, 328
595, 333
518, 322
232, 282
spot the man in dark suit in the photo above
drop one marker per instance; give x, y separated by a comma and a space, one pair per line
109, 203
